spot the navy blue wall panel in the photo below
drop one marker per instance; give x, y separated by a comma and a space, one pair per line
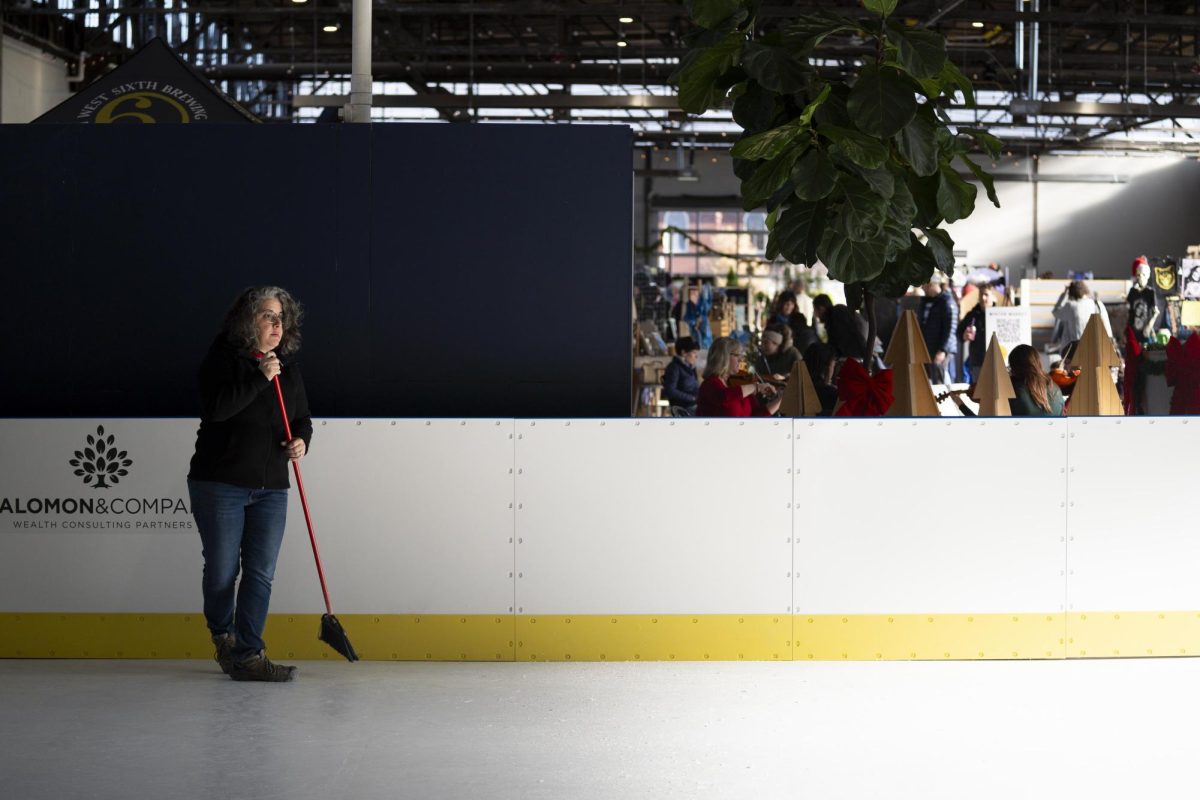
446, 270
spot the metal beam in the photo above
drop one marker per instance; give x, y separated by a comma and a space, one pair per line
643, 101
1040, 108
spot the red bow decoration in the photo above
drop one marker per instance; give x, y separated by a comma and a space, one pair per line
861, 394
1133, 351
1183, 372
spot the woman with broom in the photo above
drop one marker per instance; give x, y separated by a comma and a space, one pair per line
238, 482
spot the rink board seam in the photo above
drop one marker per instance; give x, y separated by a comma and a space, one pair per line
628, 637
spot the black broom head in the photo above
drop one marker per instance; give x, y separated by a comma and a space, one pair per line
334, 635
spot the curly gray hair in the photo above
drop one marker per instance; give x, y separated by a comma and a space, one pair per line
240, 325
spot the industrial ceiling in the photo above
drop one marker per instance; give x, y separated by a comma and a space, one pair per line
1069, 75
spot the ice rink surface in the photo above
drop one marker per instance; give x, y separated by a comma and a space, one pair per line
984, 729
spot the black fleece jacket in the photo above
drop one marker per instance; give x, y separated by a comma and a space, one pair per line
240, 424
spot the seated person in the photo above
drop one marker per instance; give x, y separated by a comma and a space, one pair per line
1037, 395
777, 356
680, 383
718, 399
821, 361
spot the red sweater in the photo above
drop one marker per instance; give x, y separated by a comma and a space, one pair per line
715, 399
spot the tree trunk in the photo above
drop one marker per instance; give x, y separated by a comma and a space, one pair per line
869, 307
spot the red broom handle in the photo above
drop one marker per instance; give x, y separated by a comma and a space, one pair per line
312, 536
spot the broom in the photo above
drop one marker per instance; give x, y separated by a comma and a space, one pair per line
332, 632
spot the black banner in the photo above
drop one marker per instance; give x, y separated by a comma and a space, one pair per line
153, 86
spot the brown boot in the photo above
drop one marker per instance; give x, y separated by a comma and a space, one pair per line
260, 668
224, 653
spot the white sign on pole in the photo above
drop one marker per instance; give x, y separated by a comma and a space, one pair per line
1012, 325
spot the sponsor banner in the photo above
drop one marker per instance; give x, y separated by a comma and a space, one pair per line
154, 86
89, 475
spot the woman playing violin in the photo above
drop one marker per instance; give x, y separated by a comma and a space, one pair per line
719, 399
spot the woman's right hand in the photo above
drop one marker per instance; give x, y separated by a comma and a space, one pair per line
269, 366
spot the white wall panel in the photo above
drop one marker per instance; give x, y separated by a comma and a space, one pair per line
1131, 546
412, 516
929, 516
61, 567
653, 516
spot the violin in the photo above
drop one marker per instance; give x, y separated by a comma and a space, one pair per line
744, 377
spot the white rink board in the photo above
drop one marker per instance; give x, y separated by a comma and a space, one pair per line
412, 517
1132, 547
892, 516
685, 516
97, 570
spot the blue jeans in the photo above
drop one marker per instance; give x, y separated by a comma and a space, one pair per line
246, 526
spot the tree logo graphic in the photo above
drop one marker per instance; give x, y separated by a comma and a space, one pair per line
100, 461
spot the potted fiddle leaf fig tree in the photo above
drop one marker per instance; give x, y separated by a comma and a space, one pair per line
858, 170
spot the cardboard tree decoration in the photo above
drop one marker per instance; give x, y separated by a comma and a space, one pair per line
1095, 393
800, 395
907, 356
994, 388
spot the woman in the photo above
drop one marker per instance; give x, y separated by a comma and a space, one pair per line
238, 481
777, 355
787, 310
1074, 308
1037, 395
718, 399
680, 383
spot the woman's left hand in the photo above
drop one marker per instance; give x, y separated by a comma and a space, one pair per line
295, 449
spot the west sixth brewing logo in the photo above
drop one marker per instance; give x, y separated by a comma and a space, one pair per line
101, 461
143, 102
100, 464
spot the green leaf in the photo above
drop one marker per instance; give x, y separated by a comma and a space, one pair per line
917, 142
930, 87
866, 151
881, 102
896, 238
814, 175
955, 197
952, 77
850, 261
775, 68
810, 109
772, 251
806, 32
862, 211
769, 144
941, 248
756, 108
990, 143
901, 272
881, 7
989, 184
699, 75
711, 13
833, 110
924, 193
921, 53
772, 218
769, 178
880, 179
902, 207
799, 230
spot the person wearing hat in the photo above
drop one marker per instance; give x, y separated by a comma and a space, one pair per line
777, 355
680, 382
939, 327
1143, 308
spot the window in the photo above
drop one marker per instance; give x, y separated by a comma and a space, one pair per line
712, 242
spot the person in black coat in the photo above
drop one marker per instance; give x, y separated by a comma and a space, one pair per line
238, 481
680, 382
972, 329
